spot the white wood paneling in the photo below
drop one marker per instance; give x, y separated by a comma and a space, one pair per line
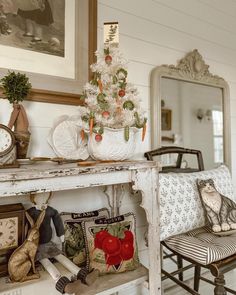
39, 114
227, 7
170, 19
232, 110
39, 146
233, 124
137, 27
144, 51
232, 90
198, 10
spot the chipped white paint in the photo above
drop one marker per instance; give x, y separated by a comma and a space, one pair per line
44, 177
146, 181
115, 194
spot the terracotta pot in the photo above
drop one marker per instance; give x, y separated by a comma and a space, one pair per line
113, 146
22, 143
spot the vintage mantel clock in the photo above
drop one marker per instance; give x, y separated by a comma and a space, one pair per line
8, 152
12, 223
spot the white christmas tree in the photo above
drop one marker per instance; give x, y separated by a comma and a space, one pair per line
110, 101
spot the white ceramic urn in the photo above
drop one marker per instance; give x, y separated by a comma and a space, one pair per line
113, 146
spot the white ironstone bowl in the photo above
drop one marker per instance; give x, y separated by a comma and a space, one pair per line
113, 146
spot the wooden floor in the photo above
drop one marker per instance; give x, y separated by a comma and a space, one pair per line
205, 288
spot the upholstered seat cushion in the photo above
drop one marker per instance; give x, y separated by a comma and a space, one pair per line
203, 246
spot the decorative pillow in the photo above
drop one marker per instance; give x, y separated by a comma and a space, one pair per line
220, 210
111, 244
74, 245
181, 209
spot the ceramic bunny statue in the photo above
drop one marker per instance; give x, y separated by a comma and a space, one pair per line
22, 259
48, 249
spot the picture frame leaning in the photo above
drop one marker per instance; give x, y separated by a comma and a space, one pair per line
166, 119
81, 32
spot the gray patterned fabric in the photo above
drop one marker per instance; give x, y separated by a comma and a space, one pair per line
180, 205
203, 246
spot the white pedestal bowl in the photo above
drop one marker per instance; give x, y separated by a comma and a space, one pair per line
113, 146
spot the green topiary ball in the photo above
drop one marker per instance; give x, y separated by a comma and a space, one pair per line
16, 86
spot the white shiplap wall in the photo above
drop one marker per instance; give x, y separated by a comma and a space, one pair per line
152, 32
155, 32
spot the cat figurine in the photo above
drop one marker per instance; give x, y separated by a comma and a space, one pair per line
221, 211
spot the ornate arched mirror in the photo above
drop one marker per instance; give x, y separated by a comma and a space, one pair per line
190, 108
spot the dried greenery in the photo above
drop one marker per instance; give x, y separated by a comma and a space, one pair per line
16, 86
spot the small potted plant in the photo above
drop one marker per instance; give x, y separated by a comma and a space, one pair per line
16, 87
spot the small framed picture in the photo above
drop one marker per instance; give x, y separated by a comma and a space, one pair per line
166, 119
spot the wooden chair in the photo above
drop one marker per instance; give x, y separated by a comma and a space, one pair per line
197, 245
180, 151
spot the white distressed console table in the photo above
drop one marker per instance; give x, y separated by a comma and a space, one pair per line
143, 175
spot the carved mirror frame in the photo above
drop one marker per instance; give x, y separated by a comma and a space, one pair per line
192, 68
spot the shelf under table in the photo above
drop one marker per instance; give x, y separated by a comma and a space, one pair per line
105, 285
47, 177
112, 283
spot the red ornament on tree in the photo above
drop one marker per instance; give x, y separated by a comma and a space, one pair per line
108, 59
98, 137
121, 93
106, 114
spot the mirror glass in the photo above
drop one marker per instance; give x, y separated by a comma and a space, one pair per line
190, 108
192, 117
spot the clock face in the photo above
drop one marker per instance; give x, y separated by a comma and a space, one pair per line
6, 140
8, 233
12, 232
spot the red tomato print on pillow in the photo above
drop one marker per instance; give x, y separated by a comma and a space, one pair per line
111, 245
127, 250
129, 237
113, 260
116, 250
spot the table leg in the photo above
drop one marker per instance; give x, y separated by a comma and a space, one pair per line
146, 181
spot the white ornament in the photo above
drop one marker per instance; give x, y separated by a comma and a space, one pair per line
121, 76
66, 141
